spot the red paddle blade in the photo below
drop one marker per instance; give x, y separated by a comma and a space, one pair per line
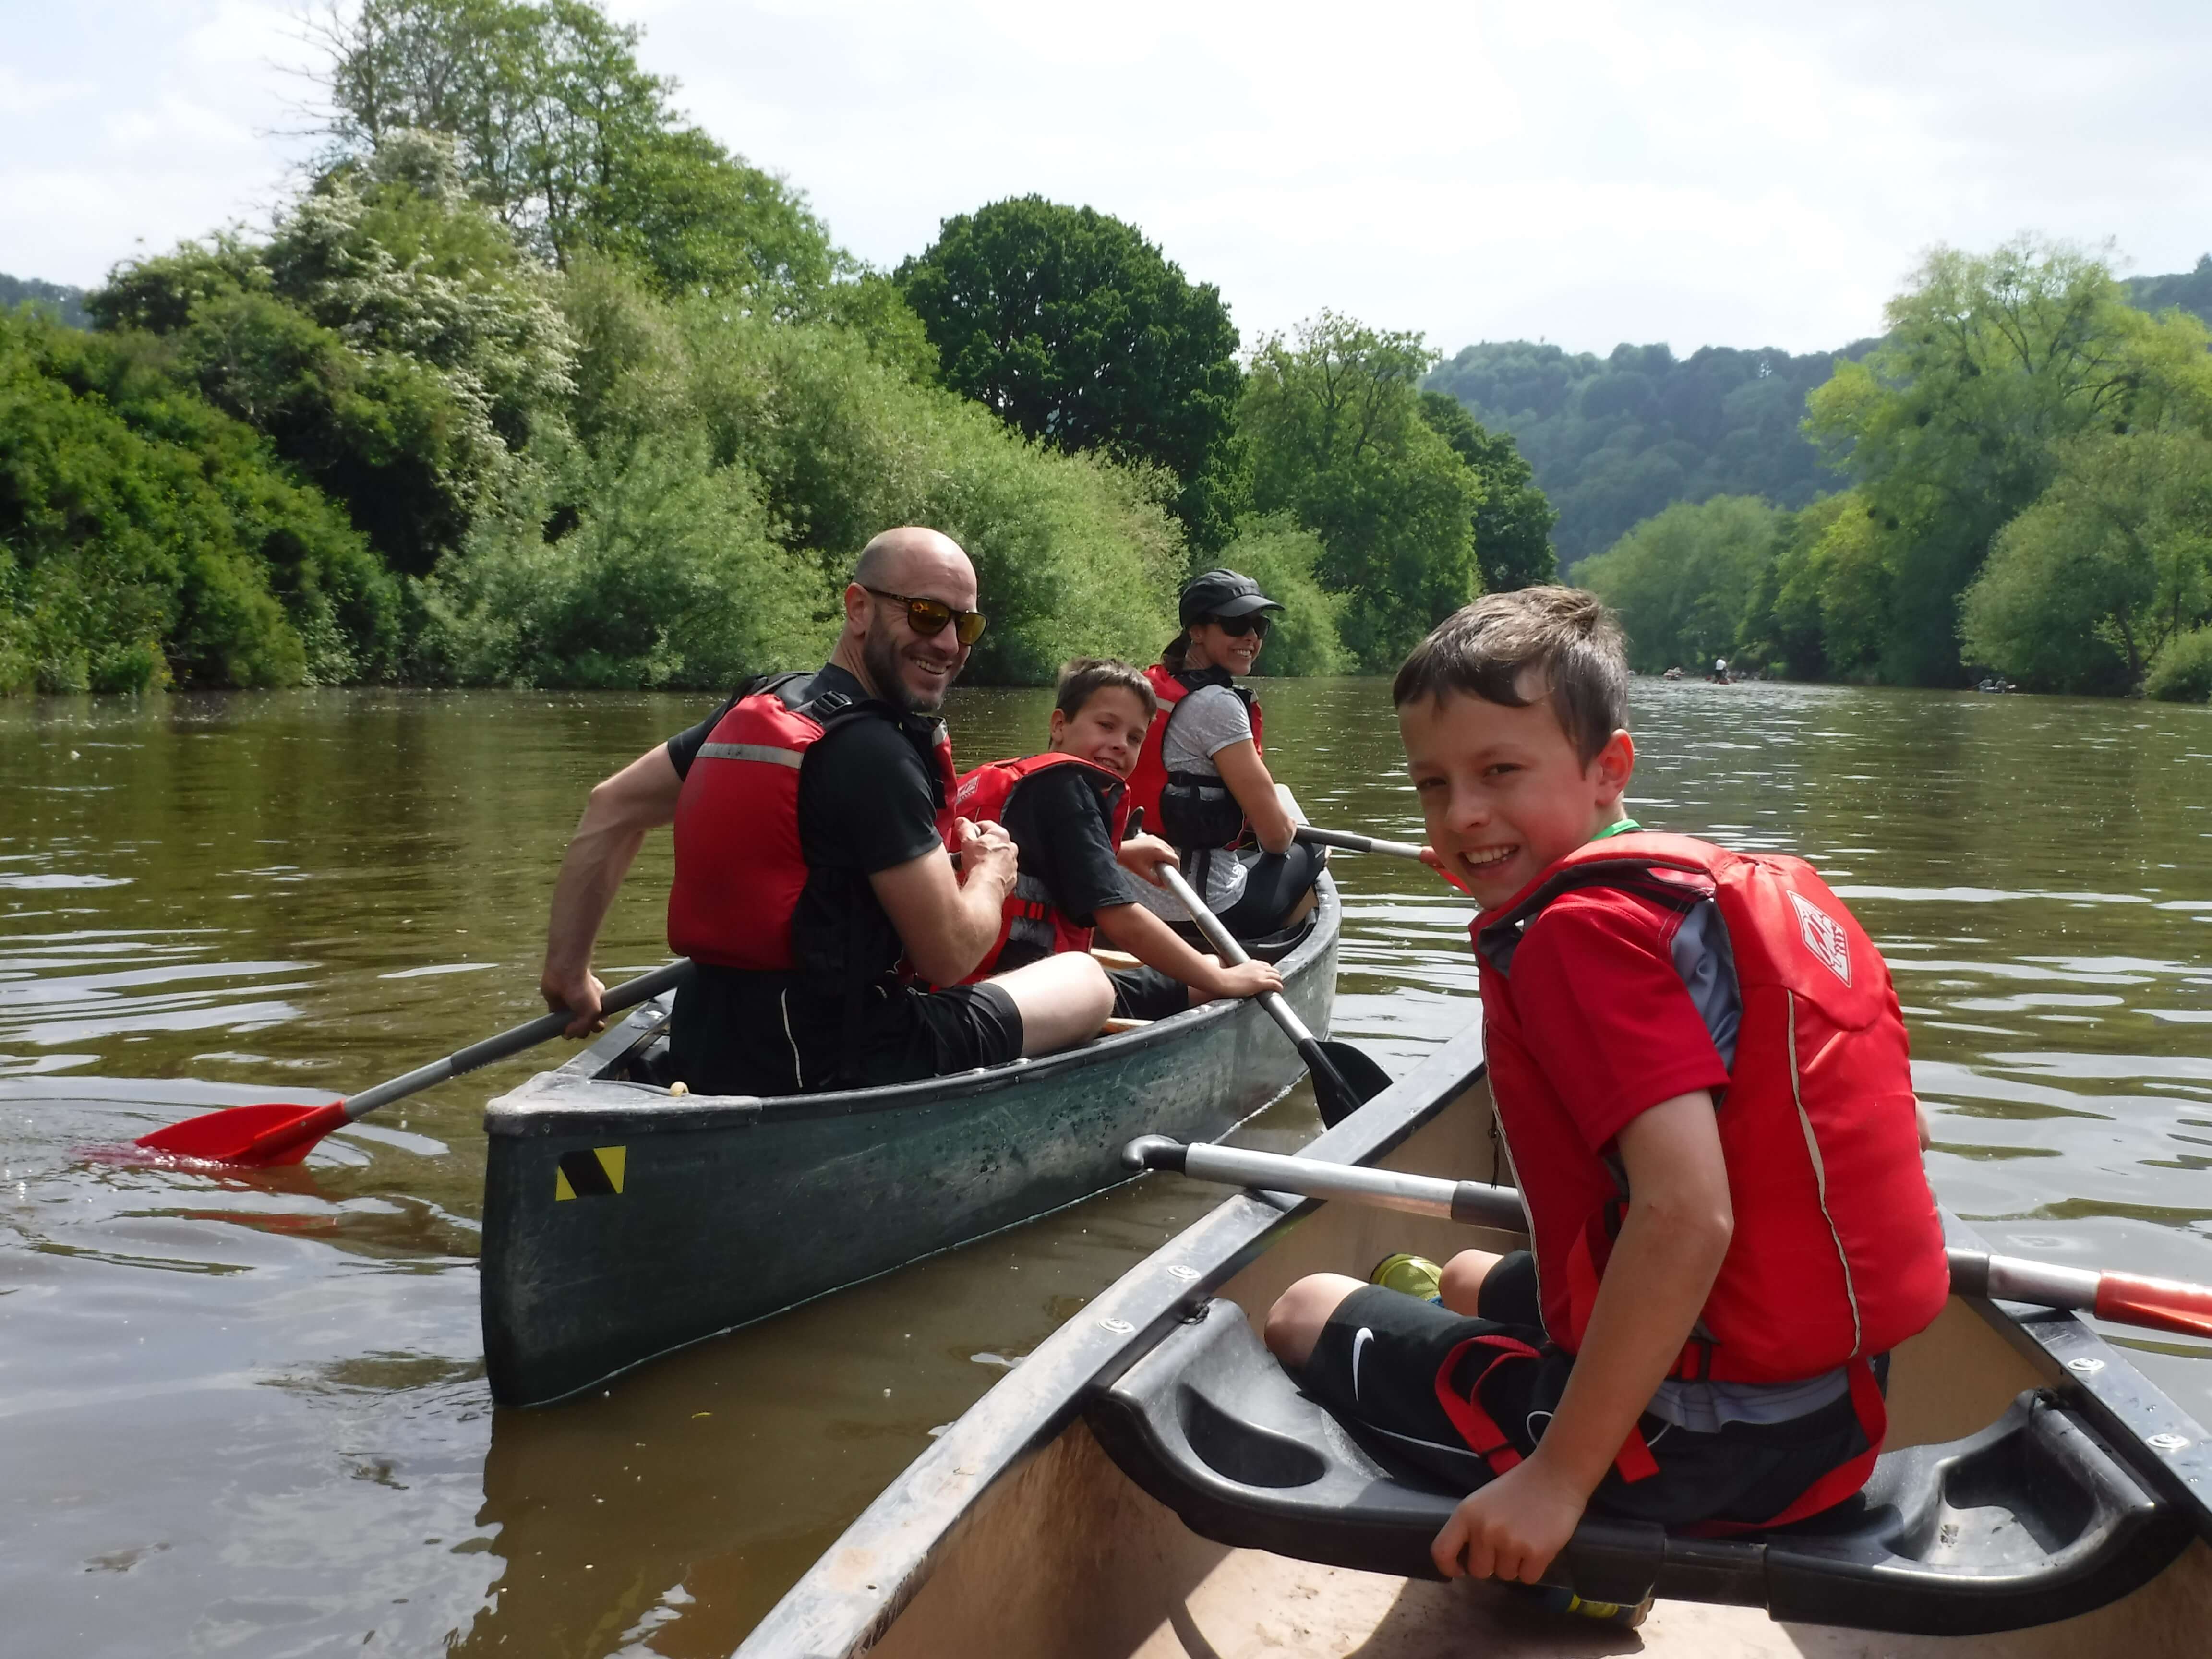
2162, 1304
258, 1136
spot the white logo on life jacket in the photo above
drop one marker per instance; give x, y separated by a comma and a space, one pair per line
1824, 937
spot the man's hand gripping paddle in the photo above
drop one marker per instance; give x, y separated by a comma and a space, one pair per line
2159, 1304
1345, 1079
275, 1132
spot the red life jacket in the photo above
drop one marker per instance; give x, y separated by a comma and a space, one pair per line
739, 864
1030, 912
1837, 1251
1172, 807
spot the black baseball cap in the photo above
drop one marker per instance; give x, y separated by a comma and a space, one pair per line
1221, 594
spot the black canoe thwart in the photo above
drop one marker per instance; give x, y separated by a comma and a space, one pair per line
2029, 1520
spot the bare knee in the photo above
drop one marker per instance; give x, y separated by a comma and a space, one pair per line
1062, 998
1460, 1285
1294, 1323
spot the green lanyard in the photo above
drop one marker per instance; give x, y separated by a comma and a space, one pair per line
1621, 829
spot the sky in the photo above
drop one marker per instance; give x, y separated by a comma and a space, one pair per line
1708, 172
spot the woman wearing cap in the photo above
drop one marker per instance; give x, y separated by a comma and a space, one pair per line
1200, 777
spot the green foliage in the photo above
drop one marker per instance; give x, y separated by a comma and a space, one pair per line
2182, 670
1614, 440
2083, 590
1069, 325
1332, 423
1684, 581
391, 339
144, 536
2192, 290
1955, 423
65, 305
1513, 526
668, 573
796, 442
1281, 557
572, 145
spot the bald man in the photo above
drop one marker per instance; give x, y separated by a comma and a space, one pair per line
813, 886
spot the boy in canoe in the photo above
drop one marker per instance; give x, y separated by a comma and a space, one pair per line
1699, 1068
1066, 811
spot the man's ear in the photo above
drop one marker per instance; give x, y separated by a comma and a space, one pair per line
1058, 729
1615, 766
856, 606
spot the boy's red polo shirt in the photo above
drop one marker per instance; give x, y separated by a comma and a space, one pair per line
1604, 1016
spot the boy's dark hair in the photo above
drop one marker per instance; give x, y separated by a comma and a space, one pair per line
1566, 633
1086, 677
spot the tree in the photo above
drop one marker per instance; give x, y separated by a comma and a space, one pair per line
1071, 326
1684, 580
1612, 439
1332, 422
2083, 591
1953, 424
1513, 526
391, 338
572, 145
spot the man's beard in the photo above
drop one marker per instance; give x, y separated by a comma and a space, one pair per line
879, 655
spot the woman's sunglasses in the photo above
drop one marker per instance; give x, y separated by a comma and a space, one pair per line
927, 617
1237, 627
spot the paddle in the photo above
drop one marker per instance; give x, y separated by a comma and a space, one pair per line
2160, 1304
1351, 844
278, 1132
1345, 1079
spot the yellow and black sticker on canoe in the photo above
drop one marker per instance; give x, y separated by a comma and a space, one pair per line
589, 1172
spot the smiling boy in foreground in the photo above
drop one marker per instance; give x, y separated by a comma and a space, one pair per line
1700, 1072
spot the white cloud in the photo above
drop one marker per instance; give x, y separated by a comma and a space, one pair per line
1722, 171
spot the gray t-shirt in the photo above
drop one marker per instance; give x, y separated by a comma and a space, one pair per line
1207, 721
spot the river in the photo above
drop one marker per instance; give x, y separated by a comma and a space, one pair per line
248, 1415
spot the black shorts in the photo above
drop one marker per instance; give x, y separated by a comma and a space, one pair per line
748, 1034
1375, 1368
1147, 993
1274, 883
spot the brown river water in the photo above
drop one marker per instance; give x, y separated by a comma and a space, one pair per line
248, 1415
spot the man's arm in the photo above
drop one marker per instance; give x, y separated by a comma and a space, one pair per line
621, 808
1660, 1270
1249, 779
1133, 928
947, 922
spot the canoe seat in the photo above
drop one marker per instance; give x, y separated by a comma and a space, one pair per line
2031, 1520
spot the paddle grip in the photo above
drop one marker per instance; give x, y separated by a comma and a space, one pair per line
528, 1034
1472, 1203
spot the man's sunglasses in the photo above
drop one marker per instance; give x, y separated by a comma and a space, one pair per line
927, 617
1237, 627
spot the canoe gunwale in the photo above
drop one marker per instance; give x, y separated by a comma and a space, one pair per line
900, 1534
568, 1099
857, 1589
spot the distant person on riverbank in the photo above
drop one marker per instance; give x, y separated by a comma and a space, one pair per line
1699, 1064
1066, 810
1199, 778
813, 883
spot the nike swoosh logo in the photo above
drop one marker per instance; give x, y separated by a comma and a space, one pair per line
1359, 1345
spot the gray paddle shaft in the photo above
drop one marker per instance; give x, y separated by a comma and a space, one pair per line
544, 1029
1351, 844
1226, 947
1476, 1203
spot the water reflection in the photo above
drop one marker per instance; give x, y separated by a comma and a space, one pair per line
249, 1413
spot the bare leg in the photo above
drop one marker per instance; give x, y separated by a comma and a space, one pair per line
1294, 1322
1460, 1283
1064, 999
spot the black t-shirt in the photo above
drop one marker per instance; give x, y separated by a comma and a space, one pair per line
868, 794
1063, 832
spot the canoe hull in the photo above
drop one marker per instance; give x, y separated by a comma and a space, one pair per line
621, 1223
